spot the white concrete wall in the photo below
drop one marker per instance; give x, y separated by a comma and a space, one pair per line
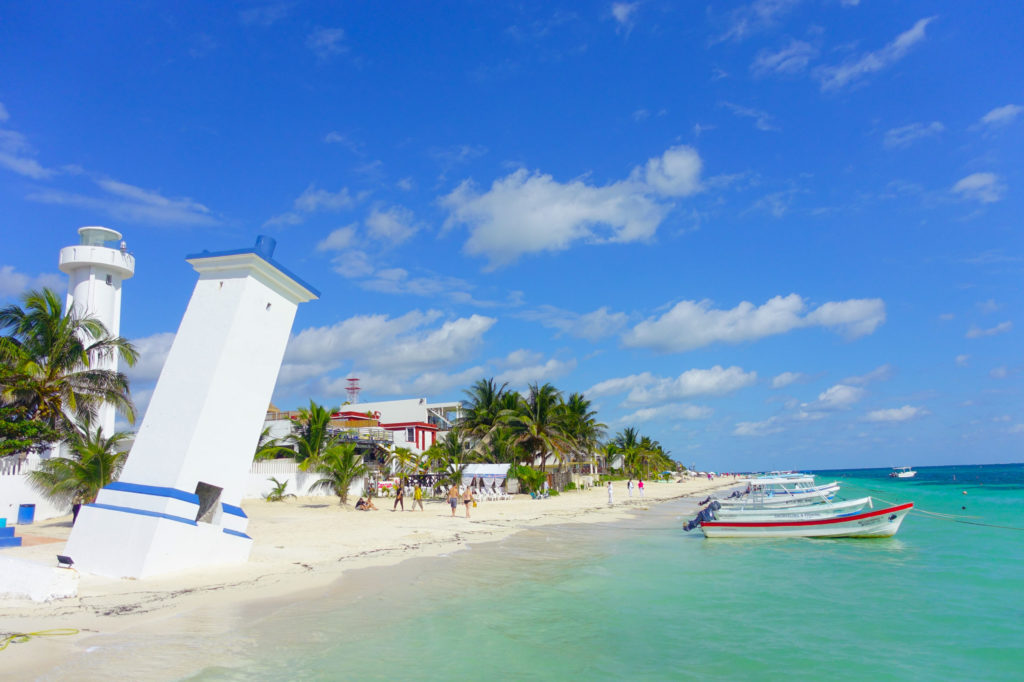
16, 491
259, 484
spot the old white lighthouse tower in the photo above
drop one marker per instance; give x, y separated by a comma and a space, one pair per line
95, 272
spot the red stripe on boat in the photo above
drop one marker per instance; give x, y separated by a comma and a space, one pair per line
819, 522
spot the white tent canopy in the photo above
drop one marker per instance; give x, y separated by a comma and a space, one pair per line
485, 473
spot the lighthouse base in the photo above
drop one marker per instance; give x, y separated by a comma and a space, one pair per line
121, 541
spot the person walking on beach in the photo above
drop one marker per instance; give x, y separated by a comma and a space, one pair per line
640, 485
417, 497
610, 499
629, 488
467, 499
399, 497
453, 498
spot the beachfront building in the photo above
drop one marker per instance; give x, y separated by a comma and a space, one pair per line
412, 423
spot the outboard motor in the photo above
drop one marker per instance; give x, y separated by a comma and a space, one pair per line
705, 514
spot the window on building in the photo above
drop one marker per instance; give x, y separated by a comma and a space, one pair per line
410, 434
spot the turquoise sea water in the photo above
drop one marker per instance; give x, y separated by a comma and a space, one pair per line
640, 599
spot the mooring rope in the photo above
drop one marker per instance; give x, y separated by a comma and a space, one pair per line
21, 637
955, 518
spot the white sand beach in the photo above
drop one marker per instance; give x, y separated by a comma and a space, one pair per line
299, 544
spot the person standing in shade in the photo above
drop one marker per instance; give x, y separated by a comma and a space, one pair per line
629, 488
417, 497
611, 500
640, 486
453, 498
399, 497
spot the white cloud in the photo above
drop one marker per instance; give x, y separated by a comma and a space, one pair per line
908, 134
999, 372
620, 384
353, 263
786, 378
339, 239
528, 212
676, 173
761, 428
1016, 428
715, 381
962, 360
624, 13
540, 372
987, 307
397, 344
24, 166
326, 42
592, 326
880, 373
4, 116
313, 200
983, 187
674, 411
762, 120
264, 16
839, 76
896, 414
789, 60
14, 283
392, 225
1001, 116
749, 19
397, 353
692, 324
837, 397
978, 333
14, 149
131, 203
153, 352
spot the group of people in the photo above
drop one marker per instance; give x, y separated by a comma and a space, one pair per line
454, 496
629, 490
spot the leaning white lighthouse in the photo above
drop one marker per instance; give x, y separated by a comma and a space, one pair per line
95, 272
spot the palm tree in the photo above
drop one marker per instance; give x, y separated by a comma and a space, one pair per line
582, 427
483, 409
538, 425
277, 493
94, 463
49, 359
339, 465
314, 436
270, 448
402, 461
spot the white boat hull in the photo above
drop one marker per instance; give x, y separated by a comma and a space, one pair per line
794, 513
880, 523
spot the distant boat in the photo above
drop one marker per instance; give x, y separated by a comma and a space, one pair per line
880, 523
902, 472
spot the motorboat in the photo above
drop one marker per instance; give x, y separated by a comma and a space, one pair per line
902, 472
822, 510
781, 492
877, 523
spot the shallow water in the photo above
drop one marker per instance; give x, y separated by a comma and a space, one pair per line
641, 599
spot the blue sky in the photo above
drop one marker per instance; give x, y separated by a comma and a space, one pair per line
773, 234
